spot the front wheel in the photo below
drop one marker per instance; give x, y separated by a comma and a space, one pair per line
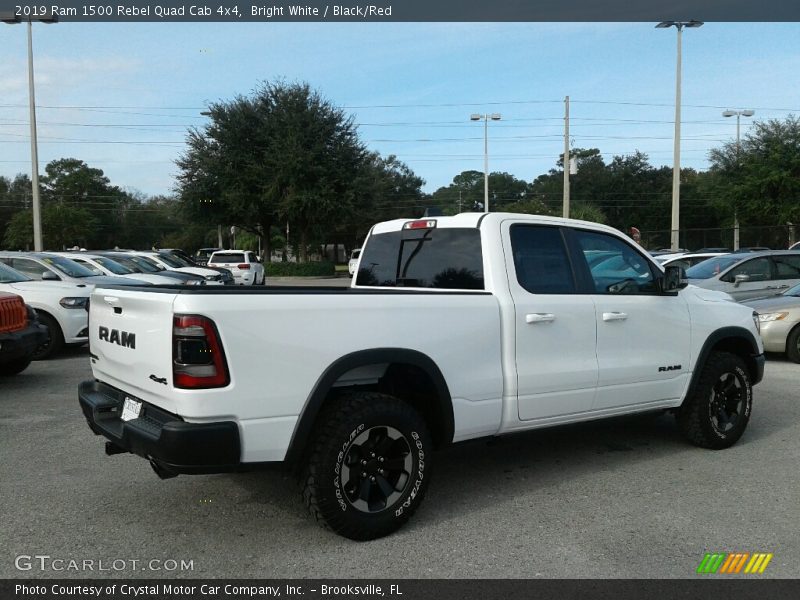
368, 466
793, 345
55, 339
716, 411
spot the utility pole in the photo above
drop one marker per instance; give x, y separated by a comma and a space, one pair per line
459, 201
565, 208
676, 164
738, 114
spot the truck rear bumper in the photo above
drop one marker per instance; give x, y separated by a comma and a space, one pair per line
171, 444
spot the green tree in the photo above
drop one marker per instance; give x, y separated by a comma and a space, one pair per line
760, 180
284, 155
62, 226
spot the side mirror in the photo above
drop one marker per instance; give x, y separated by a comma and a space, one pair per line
741, 278
50, 276
674, 279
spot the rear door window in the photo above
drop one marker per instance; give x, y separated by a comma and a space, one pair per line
447, 258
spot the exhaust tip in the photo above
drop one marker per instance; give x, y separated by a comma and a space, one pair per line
161, 471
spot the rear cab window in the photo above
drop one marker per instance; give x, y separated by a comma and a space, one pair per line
438, 258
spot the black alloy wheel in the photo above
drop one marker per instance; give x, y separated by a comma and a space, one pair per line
727, 403
376, 469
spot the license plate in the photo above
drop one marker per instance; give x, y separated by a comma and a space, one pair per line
130, 409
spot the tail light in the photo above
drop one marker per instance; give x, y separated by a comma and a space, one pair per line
243, 266
198, 361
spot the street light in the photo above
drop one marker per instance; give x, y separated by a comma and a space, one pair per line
485, 118
12, 19
738, 114
676, 166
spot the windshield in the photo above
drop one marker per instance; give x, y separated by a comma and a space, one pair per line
712, 267
9, 275
113, 266
795, 291
128, 262
171, 261
67, 266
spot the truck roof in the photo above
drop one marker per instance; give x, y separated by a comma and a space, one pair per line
473, 219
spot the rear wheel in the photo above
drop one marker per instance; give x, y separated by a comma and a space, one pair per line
55, 339
793, 345
368, 466
716, 412
12, 367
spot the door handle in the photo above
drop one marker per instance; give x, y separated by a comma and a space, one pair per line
112, 300
614, 316
540, 318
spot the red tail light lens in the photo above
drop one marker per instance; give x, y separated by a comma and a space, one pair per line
198, 361
244, 266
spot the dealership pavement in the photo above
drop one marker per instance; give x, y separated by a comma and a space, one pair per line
626, 498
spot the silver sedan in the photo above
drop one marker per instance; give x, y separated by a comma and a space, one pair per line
779, 318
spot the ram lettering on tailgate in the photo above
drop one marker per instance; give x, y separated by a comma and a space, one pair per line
114, 336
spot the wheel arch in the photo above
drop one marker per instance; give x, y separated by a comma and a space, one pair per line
401, 369
736, 340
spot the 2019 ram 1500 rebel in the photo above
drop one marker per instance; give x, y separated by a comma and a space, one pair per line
454, 328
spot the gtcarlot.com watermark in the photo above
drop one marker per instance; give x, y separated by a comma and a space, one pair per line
44, 562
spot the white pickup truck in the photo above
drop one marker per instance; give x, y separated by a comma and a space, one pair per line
454, 328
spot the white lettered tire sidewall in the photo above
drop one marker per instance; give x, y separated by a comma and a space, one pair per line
339, 427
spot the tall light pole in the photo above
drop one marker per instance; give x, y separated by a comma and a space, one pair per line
738, 114
676, 163
485, 118
37, 214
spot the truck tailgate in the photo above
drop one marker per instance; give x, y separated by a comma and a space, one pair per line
130, 336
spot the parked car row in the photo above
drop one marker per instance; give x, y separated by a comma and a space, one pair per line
44, 295
766, 280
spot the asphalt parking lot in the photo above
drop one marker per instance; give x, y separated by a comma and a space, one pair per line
623, 498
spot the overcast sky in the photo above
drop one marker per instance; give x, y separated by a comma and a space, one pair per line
121, 96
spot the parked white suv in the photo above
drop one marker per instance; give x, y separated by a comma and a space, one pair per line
60, 306
243, 265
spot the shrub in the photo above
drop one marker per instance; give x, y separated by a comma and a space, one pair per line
308, 269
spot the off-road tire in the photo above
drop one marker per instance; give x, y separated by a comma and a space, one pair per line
55, 340
13, 367
723, 390
793, 345
331, 478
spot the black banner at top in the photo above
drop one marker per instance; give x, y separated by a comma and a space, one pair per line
399, 10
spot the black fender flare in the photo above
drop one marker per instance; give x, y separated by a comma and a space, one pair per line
755, 361
342, 365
